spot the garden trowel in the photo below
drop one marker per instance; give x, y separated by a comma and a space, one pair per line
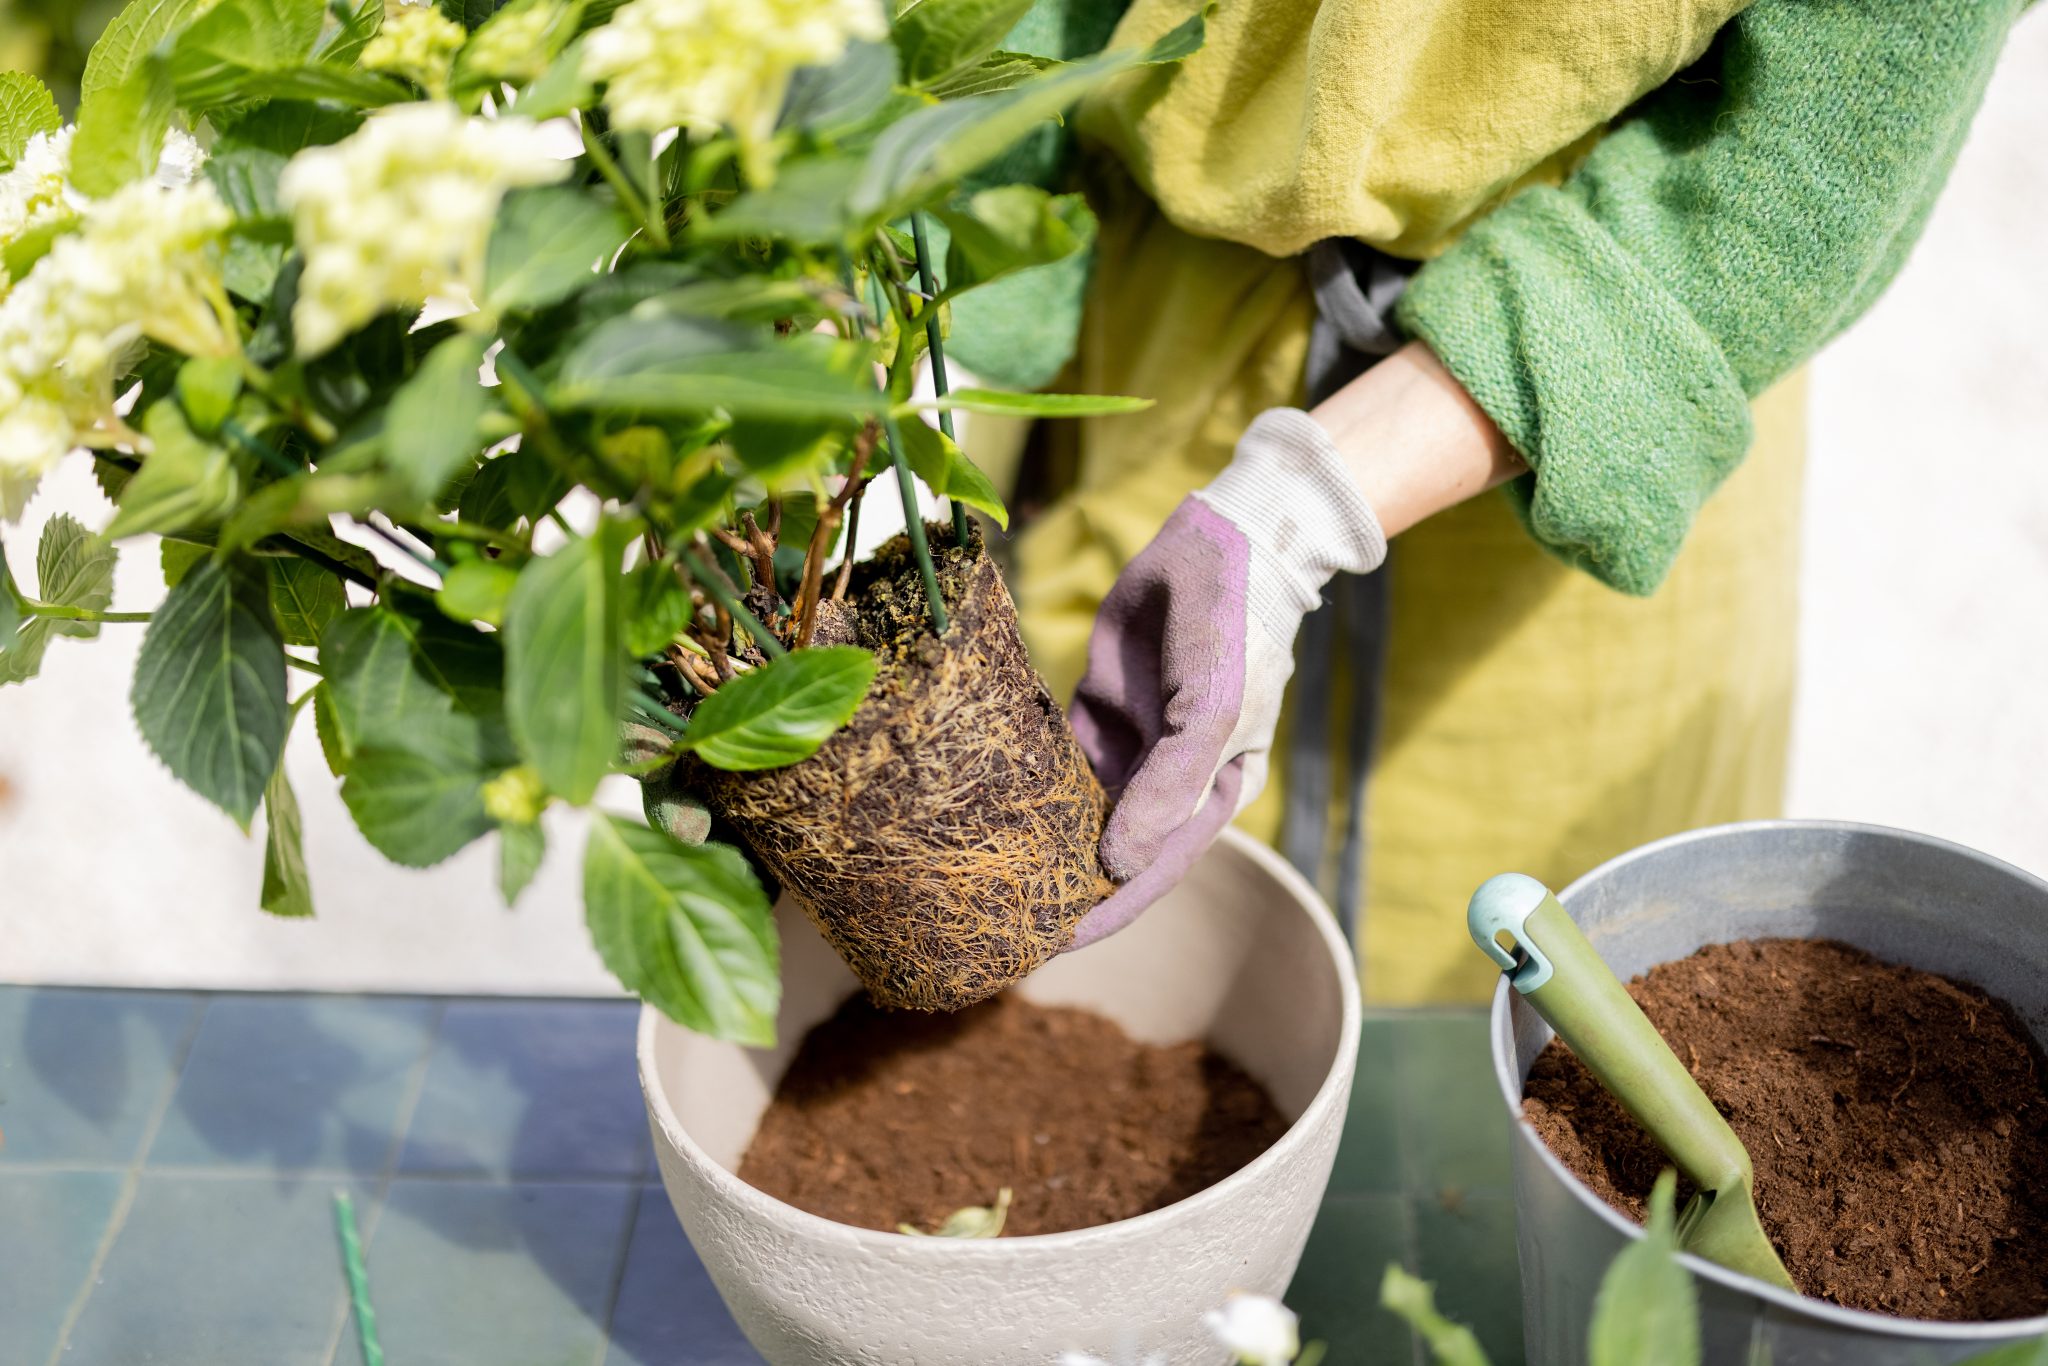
1522, 927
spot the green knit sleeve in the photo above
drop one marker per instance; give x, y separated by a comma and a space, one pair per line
1616, 327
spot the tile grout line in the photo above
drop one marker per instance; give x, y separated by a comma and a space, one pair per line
401, 1126
618, 1285
130, 1182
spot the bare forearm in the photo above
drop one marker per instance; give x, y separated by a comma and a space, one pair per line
1414, 439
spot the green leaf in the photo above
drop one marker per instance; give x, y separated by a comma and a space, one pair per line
477, 590
207, 388
520, 851
935, 38
679, 366
304, 597
26, 108
121, 128
73, 567
328, 729
10, 608
416, 806
778, 714
209, 694
178, 557
126, 42
919, 156
519, 483
1031, 405
396, 680
214, 57
287, 891
805, 205
685, 927
829, 99
348, 40
301, 506
996, 72
565, 681
1011, 228
1646, 1309
560, 88
657, 609
546, 243
184, 481
431, 431
319, 81
1451, 1344
945, 470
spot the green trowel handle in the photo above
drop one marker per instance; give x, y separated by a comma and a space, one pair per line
1573, 989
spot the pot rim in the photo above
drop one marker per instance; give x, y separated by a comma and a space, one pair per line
1860, 1320
1335, 1090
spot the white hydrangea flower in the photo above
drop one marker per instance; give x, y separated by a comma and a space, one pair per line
418, 42
400, 211
35, 193
143, 263
706, 64
512, 46
179, 162
1258, 1329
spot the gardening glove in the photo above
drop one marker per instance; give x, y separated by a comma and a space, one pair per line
1194, 646
670, 806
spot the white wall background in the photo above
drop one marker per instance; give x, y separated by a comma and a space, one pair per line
1924, 654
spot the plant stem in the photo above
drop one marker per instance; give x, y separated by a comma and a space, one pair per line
419, 557
913, 521
928, 282
310, 666
657, 230
358, 1279
713, 582
65, 612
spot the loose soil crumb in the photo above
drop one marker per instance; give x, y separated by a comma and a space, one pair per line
888, 1117
1897, 1122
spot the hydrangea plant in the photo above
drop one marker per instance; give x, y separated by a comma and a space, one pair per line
454, 272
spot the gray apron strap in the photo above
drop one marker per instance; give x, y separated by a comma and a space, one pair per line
1356, 288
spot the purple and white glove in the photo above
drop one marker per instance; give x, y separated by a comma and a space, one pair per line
1194, 646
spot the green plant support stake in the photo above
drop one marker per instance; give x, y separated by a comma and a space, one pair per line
358, 1279
929, 283
1521, 926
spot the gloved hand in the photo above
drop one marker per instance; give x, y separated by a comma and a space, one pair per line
1194, 647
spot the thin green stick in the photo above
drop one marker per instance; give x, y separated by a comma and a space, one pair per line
713, 582
928, 282
358, 1279
913, 520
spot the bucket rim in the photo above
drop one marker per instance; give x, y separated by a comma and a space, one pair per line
1500, 1038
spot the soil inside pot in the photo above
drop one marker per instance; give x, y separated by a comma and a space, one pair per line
888, 1117
1897, 1121
945, 840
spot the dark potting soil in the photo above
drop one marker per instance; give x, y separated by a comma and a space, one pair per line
1897, 1121
888, 1117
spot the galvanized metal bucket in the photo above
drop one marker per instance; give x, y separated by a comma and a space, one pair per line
1906, 898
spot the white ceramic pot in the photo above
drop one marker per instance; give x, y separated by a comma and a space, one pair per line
1243, 955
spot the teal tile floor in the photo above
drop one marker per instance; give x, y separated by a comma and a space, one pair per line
168, 1159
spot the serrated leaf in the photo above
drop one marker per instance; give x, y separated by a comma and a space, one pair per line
1414, 1301
1031, 405
120, 134
393, 677
213, 58
565, 661
73, 567
1011, 228
209, 693
347, 41
130, 37
936, 38
778, 714
415, 806
996, 72
682, 366
304, 597
946, 471
547, 242
829, 99
1646, 1309
178, 557
477, 590
26, 108
687, 928
184, 481
287, 890
520, 851
431, 431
